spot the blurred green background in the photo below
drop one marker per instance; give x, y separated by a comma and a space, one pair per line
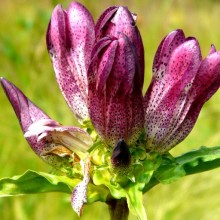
25, 62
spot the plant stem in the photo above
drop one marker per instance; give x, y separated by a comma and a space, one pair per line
118, 209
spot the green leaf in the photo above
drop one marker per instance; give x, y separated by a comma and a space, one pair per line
200, 160
32, 182
196, 161
38, 182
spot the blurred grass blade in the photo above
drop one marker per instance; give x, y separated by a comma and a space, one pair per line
192, 162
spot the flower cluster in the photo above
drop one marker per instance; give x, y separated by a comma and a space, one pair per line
100, 71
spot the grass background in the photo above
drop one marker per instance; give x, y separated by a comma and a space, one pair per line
25, 62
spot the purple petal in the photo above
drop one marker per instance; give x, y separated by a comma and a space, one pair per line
212, 49
164, 51
39, 128
27, 113
117, 20
115, 97
103, 22
166, 100
70, 38
206, 83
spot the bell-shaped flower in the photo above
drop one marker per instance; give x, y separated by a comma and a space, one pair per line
115, 94
53, 142
70, 39
182, 82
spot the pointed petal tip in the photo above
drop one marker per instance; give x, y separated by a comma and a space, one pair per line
3, 81
212, 49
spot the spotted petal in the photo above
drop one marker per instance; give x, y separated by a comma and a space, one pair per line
206, 83
45, 136
166, 100
115, 96
116, 20
70, 38
79, 194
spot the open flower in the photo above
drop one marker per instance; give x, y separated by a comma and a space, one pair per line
50, 140
100, 72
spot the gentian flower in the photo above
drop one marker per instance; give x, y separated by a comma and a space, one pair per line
100, 72
182, 82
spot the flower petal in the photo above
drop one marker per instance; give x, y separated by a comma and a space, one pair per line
70, 38
115, 96
164, 51
212, 49
117, 20
166, 100
40, 131
206, 83
28, 113
72, 138
79, 194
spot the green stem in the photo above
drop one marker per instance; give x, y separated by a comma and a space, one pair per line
118, 209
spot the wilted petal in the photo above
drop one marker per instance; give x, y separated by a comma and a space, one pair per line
72, 138
166, 101
79, 194
115, 97
70, 38
40, 131
117, 20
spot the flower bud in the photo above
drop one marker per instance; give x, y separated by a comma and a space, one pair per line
70, 38
181, 84
116, 20
115, 95
121, 156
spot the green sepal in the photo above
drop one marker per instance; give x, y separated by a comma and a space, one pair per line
135, 201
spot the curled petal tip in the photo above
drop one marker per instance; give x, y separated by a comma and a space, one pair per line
53, 133
212, 49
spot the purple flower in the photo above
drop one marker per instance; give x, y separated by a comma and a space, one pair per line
182, 82
116, 72
70, 39
100, 72
48, 139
